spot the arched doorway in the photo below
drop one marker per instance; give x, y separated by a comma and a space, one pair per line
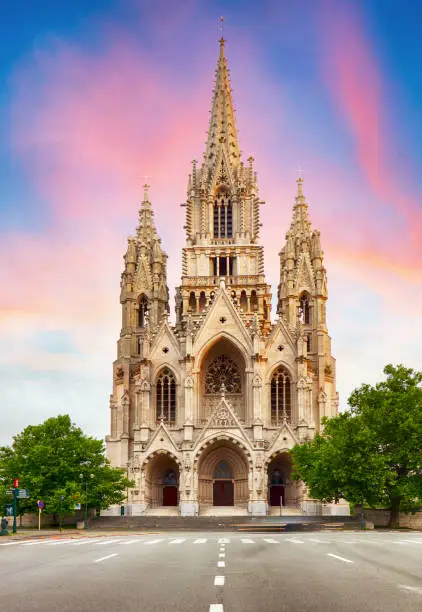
223, 476
280, 487
162, 482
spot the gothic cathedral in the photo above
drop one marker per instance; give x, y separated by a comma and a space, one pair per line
203, 413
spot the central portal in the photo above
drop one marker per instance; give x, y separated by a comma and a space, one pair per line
223, 493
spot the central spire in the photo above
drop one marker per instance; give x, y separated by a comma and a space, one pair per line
222, 128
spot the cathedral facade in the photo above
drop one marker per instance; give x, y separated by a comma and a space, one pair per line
204, 412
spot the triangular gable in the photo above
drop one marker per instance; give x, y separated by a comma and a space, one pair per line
281, 333
223, 417
278, 442
161, 440
222, 307
304, 275
221, 173
143, 280
164, 338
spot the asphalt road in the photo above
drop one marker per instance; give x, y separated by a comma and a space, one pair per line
214, 572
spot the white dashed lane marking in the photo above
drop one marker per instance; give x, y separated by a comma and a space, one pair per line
224, 541
216, 608
413, 589
246, 541
222, 555
221, 564
339, 558
131, 541
219, 581
154, 541
177, 541
295, 541
200, 541
60, 542
104, 542
104, 558
270, 541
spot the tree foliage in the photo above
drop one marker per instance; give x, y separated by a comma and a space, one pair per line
373, 452
56, 460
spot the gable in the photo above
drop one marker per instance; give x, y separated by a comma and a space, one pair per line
161, 440
304, 276
165, 346
143, 280
222, 318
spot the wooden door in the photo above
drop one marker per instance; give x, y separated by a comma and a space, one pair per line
223, 493
277, 491
169, 496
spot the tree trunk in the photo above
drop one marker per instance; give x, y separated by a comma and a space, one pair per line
393, 523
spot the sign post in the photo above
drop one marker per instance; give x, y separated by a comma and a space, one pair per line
40, 505
15, 498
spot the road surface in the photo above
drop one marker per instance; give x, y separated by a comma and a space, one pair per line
214, 572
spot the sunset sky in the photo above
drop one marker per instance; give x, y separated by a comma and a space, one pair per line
95, 96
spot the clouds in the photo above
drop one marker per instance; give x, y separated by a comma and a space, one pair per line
93, 115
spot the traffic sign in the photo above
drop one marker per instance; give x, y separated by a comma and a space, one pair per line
9, 492
78, 506
16, 483
40, 504
23, 494
9, 509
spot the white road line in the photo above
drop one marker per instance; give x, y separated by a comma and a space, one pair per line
222, 555
13, 543
216, 608
177, 541
413, 541
340, 558
219, 581
246, 541
270, 540
417, 590
221, 564
314, 540
104, 558
35, 542
104, 542
295, 540
224, 541
59, 542
131, 542
154, 541
200, 541
87, 541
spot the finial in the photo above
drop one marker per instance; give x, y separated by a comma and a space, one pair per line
146, 187
299, 182
222, 30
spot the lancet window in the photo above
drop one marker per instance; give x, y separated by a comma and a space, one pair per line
223, 218
166, 396
223, 470
142, 311
281, 404
222, 371
304, 311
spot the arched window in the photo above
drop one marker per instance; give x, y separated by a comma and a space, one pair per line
223, 218
202, 301
223, 470
254, 301
222, 371
166, 396
143, 311
304, 313
281, 406
192, 302
243, 301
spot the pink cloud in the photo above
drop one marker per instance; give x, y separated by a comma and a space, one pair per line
356, 83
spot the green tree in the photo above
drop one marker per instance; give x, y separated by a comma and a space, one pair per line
373, 452
54, 460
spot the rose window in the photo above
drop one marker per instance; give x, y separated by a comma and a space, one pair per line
222, 371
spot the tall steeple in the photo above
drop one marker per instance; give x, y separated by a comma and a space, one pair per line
222, 219
222, 131
144, 292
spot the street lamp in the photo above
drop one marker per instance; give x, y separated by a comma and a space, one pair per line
81, 476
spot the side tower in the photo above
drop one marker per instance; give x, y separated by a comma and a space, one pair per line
144, 300
222, 221
302, 297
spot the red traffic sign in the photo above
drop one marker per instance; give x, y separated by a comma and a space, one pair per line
40, 504
16, 483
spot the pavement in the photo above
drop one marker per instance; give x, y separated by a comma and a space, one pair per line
213, 572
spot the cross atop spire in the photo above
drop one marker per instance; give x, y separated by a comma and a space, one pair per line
222, 127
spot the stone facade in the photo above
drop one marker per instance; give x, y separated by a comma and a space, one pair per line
204, 412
